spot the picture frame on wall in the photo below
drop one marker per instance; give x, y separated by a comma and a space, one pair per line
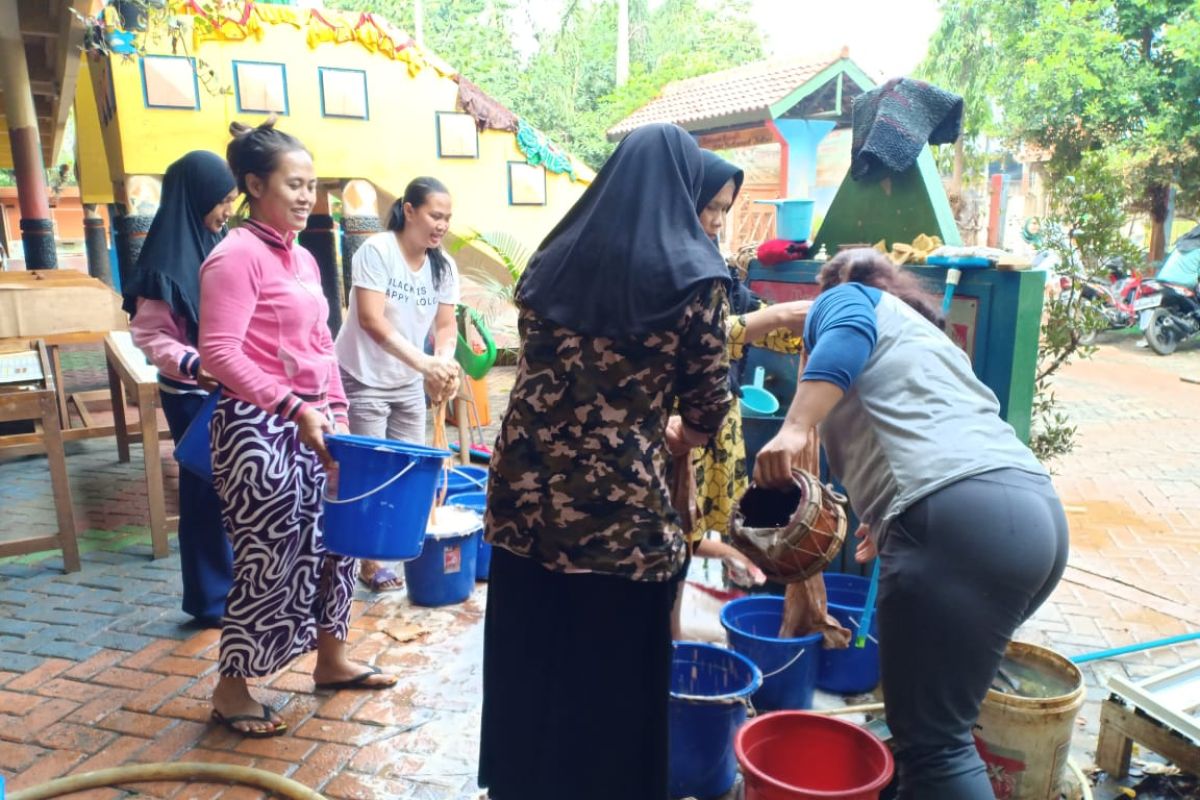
457, 136
526, 184
169, 82
260, 87
344, 93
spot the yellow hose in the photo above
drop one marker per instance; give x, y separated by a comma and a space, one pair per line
183, 771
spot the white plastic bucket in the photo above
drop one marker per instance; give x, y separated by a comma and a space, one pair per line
1025, 741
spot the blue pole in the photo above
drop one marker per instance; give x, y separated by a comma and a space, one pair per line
1134, 648
864, 627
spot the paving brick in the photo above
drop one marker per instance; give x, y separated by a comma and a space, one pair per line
19, 627
322, 764
174, 665
186, 708
46, 670
54, 764
16, 703
127, 678
16, 757
285, 748
78, 691
69, 736
148, 654
198, 643
120, 641
169, 744
326, 730
95, 664
154, 696
104, 703
68, 650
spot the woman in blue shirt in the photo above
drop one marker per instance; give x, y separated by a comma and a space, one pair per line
970, 532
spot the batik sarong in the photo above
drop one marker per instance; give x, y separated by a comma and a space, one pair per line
286, 586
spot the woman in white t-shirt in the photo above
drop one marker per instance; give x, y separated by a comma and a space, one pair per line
404, 287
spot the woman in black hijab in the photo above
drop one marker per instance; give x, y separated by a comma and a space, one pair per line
622, 317
162, 299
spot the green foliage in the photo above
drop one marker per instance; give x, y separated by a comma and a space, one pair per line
508, 249
1084, 233
566, 86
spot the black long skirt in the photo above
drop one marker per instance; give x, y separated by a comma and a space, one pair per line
576, 674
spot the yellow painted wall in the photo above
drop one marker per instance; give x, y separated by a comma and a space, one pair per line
91, 161
397, 143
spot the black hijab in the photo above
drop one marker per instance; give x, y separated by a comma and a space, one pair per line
168, 268
1189, 241
630, 254
717, 173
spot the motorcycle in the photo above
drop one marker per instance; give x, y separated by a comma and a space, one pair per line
1174, 315
1115, 296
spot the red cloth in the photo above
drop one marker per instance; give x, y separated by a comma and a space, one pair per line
777, 251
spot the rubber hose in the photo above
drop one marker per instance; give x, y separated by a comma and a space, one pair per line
1085, 785
183, 771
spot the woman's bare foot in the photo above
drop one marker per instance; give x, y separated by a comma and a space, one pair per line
334, 669
235, 708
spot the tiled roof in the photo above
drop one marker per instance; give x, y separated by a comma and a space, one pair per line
739, 91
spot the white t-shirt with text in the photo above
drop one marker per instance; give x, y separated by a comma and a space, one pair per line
411, 305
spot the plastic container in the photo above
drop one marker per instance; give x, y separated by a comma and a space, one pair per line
793, 218
384, 495
477, 501
1025, 741
757, 401
444, 573
462, 479
788, 666
709, 689
852, 670
791, 755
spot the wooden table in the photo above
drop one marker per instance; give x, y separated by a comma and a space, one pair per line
36, 401
128, 371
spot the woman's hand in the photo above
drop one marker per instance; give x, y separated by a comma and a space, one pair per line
742, 571
774, 462
206, 380
680, 438
792, 315
866, 549
313, 426
441, 377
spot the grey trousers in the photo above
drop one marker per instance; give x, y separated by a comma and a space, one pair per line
961, 569
397, 414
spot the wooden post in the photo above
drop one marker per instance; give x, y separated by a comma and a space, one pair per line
37, 229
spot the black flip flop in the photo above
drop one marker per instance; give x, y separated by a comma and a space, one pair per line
358, 682
279, 728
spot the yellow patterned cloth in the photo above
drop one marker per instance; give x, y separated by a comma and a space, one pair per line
720, 467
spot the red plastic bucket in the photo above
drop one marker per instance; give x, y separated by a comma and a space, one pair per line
796, 755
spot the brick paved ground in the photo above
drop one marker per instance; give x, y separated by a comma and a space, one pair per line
97, 668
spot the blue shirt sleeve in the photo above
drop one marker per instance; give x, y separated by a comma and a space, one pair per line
839, 334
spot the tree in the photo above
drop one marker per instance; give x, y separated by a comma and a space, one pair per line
1119, 76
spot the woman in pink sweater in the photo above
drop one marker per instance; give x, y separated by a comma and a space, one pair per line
263, 335
163, 300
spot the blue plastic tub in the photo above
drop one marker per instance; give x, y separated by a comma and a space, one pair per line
793, 218
444, 573
477, 501
384, 496
853, 670
789, 666
463, 479
709, 689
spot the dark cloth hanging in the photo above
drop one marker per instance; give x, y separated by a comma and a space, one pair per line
630, 255
168, 268
893, 122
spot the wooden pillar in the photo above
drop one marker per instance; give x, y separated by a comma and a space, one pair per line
37, 229
95, 241
355, 231
134, 228
318, 239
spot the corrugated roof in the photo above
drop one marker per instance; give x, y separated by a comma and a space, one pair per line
732, 92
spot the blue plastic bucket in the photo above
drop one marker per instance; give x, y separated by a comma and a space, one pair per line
853, 670
793, 218
477, 501
444, 573
709, 689
384, 495
789, 666
463, 479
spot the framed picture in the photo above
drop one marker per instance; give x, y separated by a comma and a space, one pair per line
457, 136
260, 87
526, 184
344, 93
170, 82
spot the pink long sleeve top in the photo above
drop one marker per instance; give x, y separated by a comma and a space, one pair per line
263, 330
161, 334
